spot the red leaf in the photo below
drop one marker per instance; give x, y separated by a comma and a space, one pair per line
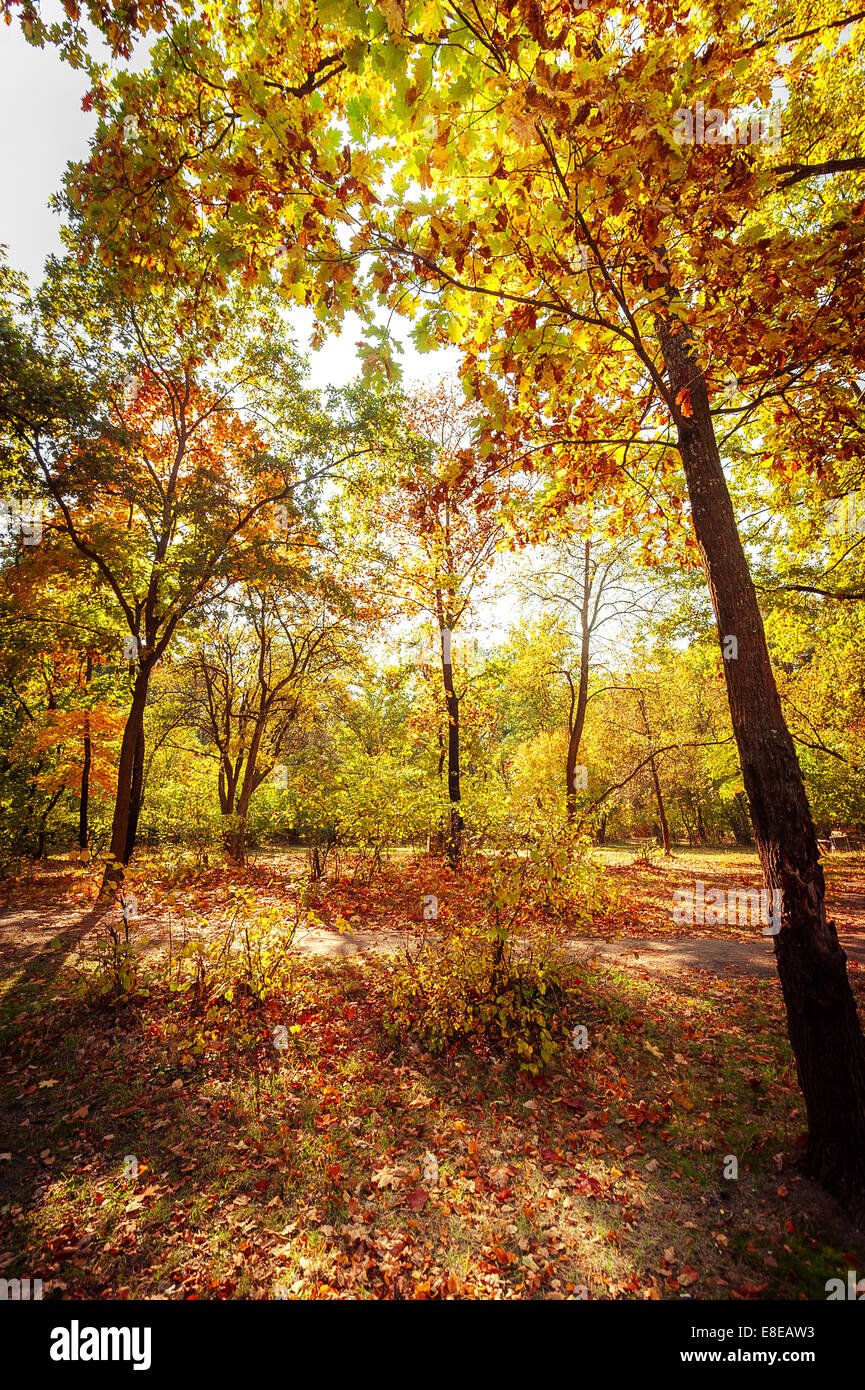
417, 1200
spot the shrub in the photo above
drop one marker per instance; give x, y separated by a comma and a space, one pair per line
549, 867
473, 990
110, 964
248, 962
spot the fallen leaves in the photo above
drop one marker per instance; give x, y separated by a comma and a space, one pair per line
540, 1191
386, 1177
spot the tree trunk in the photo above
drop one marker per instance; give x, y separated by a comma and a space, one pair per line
237, 838
822, 1021
602, 829
83, 809
576, 733
687, 824
662, 815
701, 826
135, 795
122, 801
452, 704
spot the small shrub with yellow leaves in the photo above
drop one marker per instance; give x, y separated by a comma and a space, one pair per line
472, 990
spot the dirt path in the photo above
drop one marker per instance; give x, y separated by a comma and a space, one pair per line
29, 941
676, 953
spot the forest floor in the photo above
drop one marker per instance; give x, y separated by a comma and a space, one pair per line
156, 1150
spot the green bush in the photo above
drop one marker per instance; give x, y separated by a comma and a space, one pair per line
472, 990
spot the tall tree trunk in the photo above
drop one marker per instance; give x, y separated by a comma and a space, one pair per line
662, 815
683, 808
701, 826
122, 801
135, 795
226, 786
83, 809
822, 1021
576, 732
452, 704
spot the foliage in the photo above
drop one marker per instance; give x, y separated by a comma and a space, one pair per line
109, 970
245, 964
473, 990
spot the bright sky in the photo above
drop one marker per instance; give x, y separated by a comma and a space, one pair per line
42, 129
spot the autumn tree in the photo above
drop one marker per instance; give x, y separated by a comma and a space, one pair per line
434, 506
526, 182
601, 300
165, 489
252, 668
584, 579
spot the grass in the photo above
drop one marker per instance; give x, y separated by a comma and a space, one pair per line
264, 1174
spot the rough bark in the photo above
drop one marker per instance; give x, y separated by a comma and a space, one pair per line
822, 1021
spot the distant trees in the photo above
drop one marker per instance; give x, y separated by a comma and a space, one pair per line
435, 508
260, 655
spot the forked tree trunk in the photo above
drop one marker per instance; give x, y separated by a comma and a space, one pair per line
240, 818
822, 1021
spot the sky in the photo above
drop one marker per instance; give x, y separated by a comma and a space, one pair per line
43, 128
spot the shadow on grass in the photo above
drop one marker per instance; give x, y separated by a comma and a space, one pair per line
259, 1170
